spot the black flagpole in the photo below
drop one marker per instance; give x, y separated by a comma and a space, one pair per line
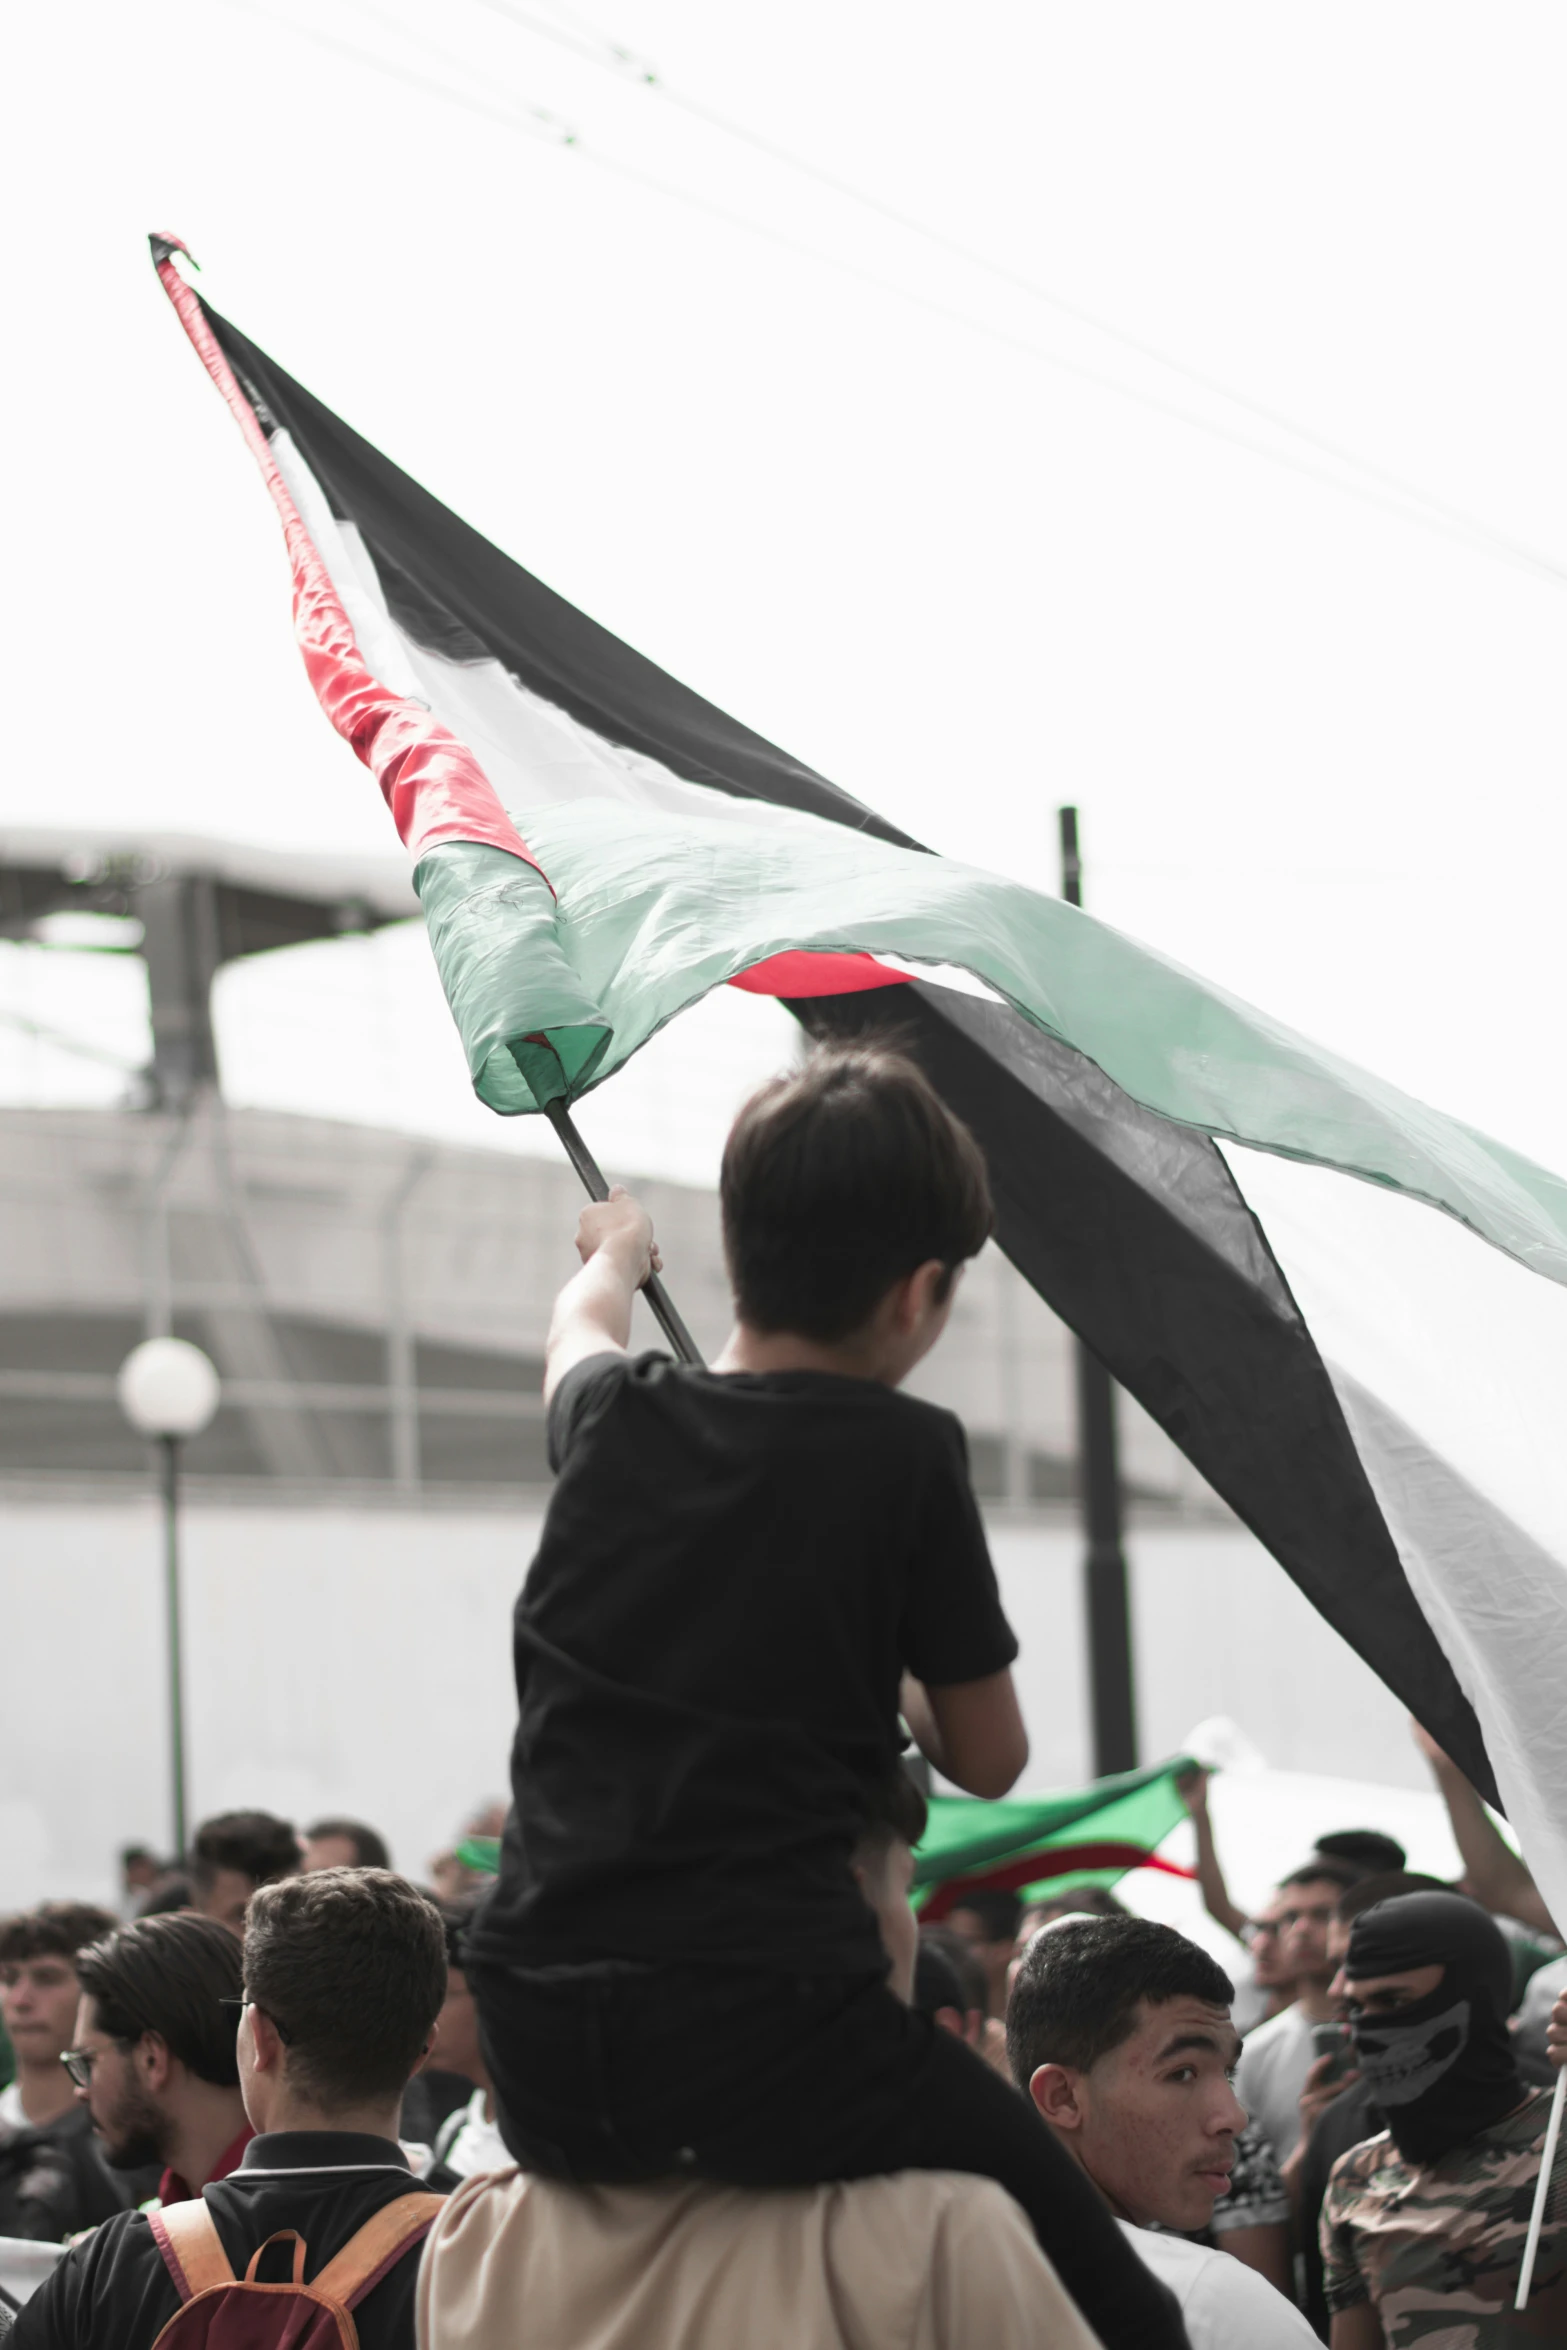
1104, 1570
596, 1187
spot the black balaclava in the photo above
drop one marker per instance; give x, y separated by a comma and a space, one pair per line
1442, 2069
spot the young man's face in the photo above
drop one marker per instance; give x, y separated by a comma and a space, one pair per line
127, 2118
1266, 1944
227, 1898
38, 2001
328, 1852
1154, 2122
1306, 1916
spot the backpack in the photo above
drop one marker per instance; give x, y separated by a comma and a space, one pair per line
219, 2311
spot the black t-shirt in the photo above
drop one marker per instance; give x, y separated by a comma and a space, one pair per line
733, 1571
115, 2287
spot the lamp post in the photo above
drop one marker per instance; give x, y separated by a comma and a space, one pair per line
168, 1391
1112, 1695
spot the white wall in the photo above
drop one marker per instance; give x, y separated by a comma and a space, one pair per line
1218, 1628
338, 1660
359, 1661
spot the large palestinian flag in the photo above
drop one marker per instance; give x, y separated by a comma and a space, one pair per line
1345, 1308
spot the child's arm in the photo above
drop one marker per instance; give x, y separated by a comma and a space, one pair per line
593, 1312
970, 1731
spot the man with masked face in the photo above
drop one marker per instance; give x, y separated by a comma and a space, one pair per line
1423, 2227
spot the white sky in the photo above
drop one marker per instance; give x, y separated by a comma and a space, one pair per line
1318, 749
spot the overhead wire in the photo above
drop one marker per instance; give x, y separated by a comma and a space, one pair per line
598, 48
521, 117
602, 49
1400, 500
1475, 536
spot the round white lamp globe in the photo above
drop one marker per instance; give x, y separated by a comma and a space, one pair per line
167, 1387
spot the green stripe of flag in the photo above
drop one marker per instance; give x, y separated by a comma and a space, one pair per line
653, 909
966, 1835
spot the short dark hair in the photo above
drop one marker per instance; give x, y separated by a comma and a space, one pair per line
350, 1964
1080, 1985
1366, 1850
130, 1852
837, 1181
370, 1850
55, 1929
168, 1975
254, 1844
998, 1911
1366, 1892
956, 1954
1323, 1872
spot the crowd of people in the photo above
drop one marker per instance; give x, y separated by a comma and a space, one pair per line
686, 2069
1270, 2180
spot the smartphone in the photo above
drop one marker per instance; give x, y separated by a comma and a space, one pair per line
1333, 2040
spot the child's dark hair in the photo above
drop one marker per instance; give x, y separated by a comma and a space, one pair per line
837, 1181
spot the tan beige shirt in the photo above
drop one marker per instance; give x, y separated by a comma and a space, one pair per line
928, 2260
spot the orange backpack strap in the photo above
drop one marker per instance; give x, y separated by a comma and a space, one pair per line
379, 2245
192, 2249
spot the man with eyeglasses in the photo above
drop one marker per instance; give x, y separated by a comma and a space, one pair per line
1277, 2056
335, 1991
154, 2056
1272, 1986
1265, 1987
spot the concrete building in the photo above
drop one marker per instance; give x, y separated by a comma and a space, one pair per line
361, 1512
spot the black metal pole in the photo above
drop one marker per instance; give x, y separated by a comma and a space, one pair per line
596, 1187
170, 1449
1112, 1696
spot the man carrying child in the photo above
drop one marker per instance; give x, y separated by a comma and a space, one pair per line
744, 1575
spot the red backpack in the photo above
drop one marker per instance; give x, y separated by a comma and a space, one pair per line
220, 2311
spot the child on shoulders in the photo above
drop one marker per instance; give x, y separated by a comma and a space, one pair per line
745, 1574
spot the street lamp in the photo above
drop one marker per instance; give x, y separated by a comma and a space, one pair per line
169, 1390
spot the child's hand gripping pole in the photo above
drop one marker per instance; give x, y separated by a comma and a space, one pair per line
596, 1188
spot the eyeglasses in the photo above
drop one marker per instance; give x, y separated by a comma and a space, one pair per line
238, 2001
79, 2062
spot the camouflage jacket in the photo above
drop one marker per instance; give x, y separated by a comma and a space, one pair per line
1437, 2245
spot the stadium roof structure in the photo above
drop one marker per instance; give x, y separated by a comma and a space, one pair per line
375, 1301
200, 904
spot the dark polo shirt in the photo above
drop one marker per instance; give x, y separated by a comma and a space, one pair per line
113, 2292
